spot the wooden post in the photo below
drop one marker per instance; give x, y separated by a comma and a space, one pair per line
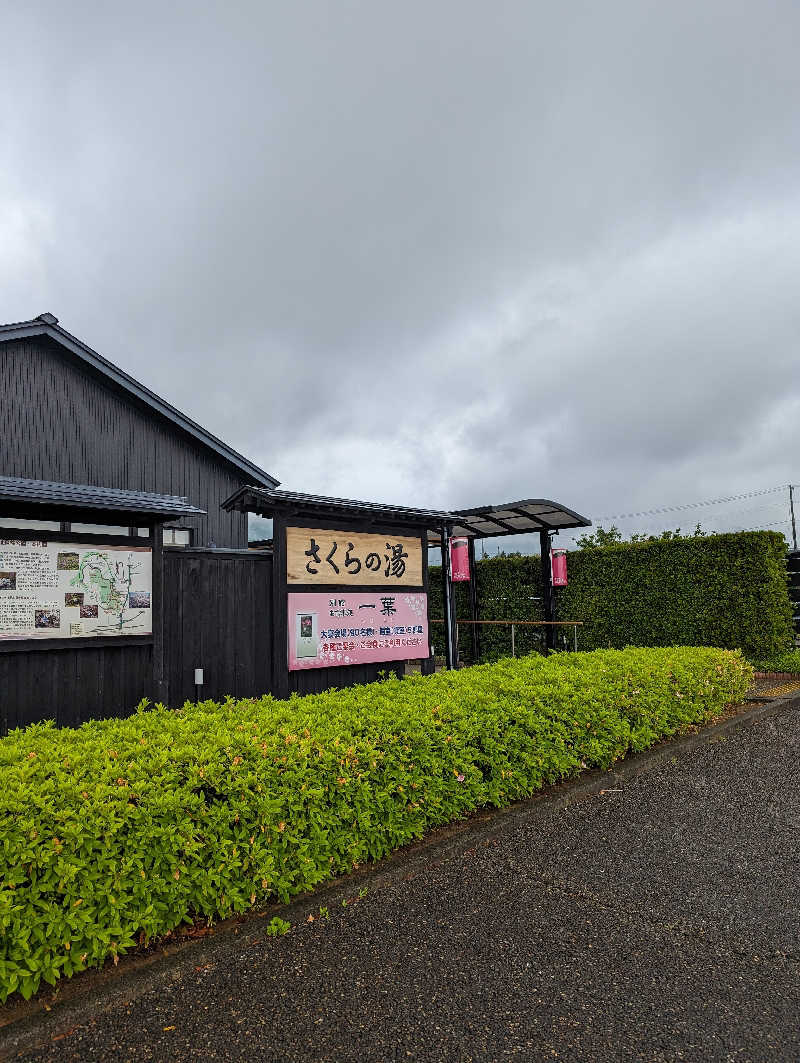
427, 664
450, 652
280, 604
547, 590
158, 605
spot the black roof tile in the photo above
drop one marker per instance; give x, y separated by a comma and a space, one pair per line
86, 496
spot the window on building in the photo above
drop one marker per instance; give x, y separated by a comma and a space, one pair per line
34, 525
259, 529
99, 529
177, 537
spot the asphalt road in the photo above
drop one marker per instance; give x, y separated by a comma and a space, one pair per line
656, 921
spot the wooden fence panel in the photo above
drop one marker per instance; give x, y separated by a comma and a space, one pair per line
217, 619
73, 685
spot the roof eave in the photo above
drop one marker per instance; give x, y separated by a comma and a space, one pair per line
258, 500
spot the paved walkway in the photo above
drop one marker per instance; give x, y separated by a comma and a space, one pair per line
658, 922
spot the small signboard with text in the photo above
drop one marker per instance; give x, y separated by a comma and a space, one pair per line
339, 558
351, 628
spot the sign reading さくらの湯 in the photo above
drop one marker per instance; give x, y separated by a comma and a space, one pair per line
338, 558
52, 590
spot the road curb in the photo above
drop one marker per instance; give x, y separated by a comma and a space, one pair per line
36, 1022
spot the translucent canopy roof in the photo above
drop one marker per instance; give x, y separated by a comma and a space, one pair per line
516, 518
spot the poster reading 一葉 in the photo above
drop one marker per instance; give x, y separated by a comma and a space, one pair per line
344, 628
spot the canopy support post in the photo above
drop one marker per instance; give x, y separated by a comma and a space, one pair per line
450, 650
547, 591
473, 601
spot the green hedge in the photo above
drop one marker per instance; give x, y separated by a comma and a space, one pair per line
119, 831
781, 662
707, 590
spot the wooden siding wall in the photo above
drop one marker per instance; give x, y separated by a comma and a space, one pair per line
221, 621
218, 619
71, 686
315, 680
65, 423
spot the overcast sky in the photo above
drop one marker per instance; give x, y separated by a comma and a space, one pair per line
433, 253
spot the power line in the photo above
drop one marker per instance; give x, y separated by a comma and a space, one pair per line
727, 516
773, 524
695, 505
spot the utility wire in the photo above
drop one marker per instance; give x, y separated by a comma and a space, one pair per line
711, 520
773, 524
727, 517
694, 505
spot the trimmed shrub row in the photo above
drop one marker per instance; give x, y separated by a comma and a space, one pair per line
788, 662
119, 831
700, 590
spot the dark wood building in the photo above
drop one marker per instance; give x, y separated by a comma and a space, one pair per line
69, 415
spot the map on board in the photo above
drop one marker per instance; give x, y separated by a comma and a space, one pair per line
70, 590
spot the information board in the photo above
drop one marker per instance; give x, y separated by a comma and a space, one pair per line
344, 628
71, 590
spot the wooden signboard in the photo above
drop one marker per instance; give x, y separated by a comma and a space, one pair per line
342, 558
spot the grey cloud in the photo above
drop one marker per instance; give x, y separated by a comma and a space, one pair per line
435, 253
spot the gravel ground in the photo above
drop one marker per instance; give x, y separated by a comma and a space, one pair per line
656, 921
773, 688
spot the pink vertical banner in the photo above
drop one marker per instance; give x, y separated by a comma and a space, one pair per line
343, 628
558, 566
459, 560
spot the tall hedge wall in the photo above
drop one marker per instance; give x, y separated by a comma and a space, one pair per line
710, 590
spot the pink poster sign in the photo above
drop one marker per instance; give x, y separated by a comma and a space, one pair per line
331, 630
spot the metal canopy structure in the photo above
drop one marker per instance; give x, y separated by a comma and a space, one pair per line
516, 518
31, 496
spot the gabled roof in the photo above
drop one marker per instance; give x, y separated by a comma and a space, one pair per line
47, 325
85, 496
